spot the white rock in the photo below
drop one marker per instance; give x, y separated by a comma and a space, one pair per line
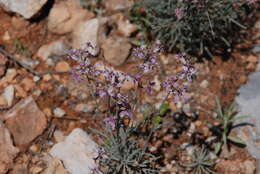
87, 31
54, 48
9, 94
26, 8
65, 15
204, 84
58, 112
77, 152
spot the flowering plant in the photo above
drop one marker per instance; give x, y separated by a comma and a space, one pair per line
123, 103
193, 26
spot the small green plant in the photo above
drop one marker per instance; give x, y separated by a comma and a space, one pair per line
191, 26
200, 162
122, 154
20, 48
227, 117
92, 5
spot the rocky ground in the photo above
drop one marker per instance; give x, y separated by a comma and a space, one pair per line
43, 112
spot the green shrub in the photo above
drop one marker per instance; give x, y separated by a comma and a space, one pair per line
193, 26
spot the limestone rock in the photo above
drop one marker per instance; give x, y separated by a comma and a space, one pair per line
26, 8
54, 48
77, 152
25, 122
87, 32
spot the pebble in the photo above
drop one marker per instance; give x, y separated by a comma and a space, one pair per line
36, 78
252, 59
27, 84
57, 48
46, 77
9, 95
6, 36
204, 84
62, 66
58, 112
84, 107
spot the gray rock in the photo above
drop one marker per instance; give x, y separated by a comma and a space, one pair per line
26, 8
58, 112
256, 49
249, 102
77, 152
87, 32
57, 48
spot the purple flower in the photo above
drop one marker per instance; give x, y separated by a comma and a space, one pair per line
111, 122
127, 113
102, 93
179, 13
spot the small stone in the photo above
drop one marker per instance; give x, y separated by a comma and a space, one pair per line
204, 84
198, 123
26, 8
77, 152
30, 62
57, 48
9, 95
50, 62
256, 49
252, 59
47, 112
58, 112
27, 84
6, 36
34, 148
116, 50
54, 166
7, 150
20, 91
46, 77
242, 79
25, 122
36, 170
250, 66
84, 108
62, 66
36, 78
